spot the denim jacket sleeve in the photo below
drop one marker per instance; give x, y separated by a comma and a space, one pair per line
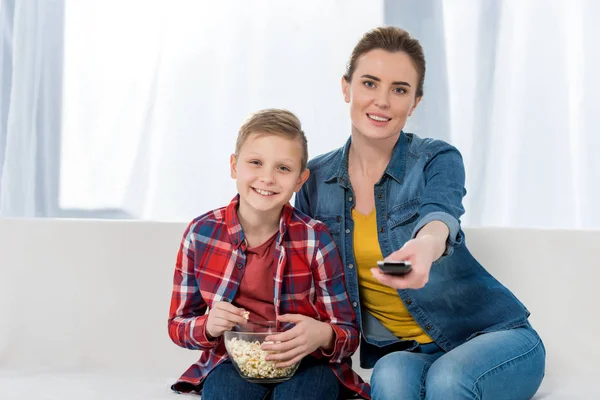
441, 200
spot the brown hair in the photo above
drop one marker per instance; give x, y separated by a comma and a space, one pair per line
392, 39
276, 122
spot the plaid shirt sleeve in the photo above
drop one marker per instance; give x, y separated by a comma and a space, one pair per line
187, 318
332, 301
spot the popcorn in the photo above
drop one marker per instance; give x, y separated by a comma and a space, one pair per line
246, 315
250, 359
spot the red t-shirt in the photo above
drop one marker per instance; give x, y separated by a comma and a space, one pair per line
255, 293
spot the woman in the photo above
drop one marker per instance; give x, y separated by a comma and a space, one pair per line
447, 329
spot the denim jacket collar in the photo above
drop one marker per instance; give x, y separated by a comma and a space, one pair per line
395, 169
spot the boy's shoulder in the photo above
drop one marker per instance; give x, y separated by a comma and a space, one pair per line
300, 222
208, 220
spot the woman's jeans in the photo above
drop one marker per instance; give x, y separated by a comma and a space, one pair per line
499, 365
312, 380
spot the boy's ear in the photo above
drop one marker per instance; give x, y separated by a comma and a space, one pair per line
301, 179
233, 165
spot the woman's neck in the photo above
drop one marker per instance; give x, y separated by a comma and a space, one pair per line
368, 157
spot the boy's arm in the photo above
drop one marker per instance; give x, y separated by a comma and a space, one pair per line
333, 303
187, 318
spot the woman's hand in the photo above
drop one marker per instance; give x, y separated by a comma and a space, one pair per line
293, 345
222, 317
419, 252
422, 251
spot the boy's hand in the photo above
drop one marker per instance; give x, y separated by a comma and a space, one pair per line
222, 317
293, 345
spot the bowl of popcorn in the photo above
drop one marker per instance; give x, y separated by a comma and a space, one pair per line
243, 344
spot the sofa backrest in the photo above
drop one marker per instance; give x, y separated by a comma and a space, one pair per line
91, 294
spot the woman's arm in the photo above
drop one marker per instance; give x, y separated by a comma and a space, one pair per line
437, 231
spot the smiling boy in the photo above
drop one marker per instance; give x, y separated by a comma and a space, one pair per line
262, 258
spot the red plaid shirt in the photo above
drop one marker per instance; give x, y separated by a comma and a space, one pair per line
309, 280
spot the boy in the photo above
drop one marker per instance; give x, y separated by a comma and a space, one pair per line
260, 258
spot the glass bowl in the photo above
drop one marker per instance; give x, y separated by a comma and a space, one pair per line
243, 347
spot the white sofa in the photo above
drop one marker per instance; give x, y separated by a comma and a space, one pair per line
84, 304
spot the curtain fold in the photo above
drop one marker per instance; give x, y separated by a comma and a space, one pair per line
29, 179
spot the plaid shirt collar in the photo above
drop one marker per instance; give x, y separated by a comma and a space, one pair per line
234, 227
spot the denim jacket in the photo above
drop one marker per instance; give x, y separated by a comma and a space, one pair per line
424, 181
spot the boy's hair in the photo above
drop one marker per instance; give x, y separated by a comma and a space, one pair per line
276, 122
392, 39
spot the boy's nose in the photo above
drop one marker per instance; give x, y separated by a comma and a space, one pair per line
267, 177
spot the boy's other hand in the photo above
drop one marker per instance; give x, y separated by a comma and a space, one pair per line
293, 345
222, 317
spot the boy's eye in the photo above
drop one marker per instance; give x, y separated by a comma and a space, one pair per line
255, 162
284, 168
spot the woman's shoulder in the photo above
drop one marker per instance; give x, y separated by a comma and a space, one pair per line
427, 146
323, 161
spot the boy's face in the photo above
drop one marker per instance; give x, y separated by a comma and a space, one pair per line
267, 171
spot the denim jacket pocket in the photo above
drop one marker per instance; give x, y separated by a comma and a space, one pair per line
334, 226
402, 219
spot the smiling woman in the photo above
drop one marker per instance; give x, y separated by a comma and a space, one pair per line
398, 196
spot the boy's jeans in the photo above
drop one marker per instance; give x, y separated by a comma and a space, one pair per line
312, 380
499, 365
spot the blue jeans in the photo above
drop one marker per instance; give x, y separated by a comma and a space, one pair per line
499, 365
313, 380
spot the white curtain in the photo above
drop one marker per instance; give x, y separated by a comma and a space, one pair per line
31, 85
151, 113
521, 85
153, 93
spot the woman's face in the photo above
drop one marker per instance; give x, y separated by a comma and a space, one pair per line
381, 93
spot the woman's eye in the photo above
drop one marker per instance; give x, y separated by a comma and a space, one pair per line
400, 90
369, 84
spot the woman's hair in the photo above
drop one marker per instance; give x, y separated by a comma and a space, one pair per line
275, 122
392, 39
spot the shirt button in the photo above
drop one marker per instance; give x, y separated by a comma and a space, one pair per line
354, 304
339, 218
381, 229
239, 266
408, 301
379, 196
350, 198
347, 230
428, 327
235, 241
350, 266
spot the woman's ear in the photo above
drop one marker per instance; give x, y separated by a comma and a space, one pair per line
414, 106
346, 89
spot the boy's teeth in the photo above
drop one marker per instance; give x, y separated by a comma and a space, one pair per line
376, 118
264, 192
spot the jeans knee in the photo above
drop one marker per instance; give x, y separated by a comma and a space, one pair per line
448, 381
397, 375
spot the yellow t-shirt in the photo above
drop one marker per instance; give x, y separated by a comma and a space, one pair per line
381, 301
